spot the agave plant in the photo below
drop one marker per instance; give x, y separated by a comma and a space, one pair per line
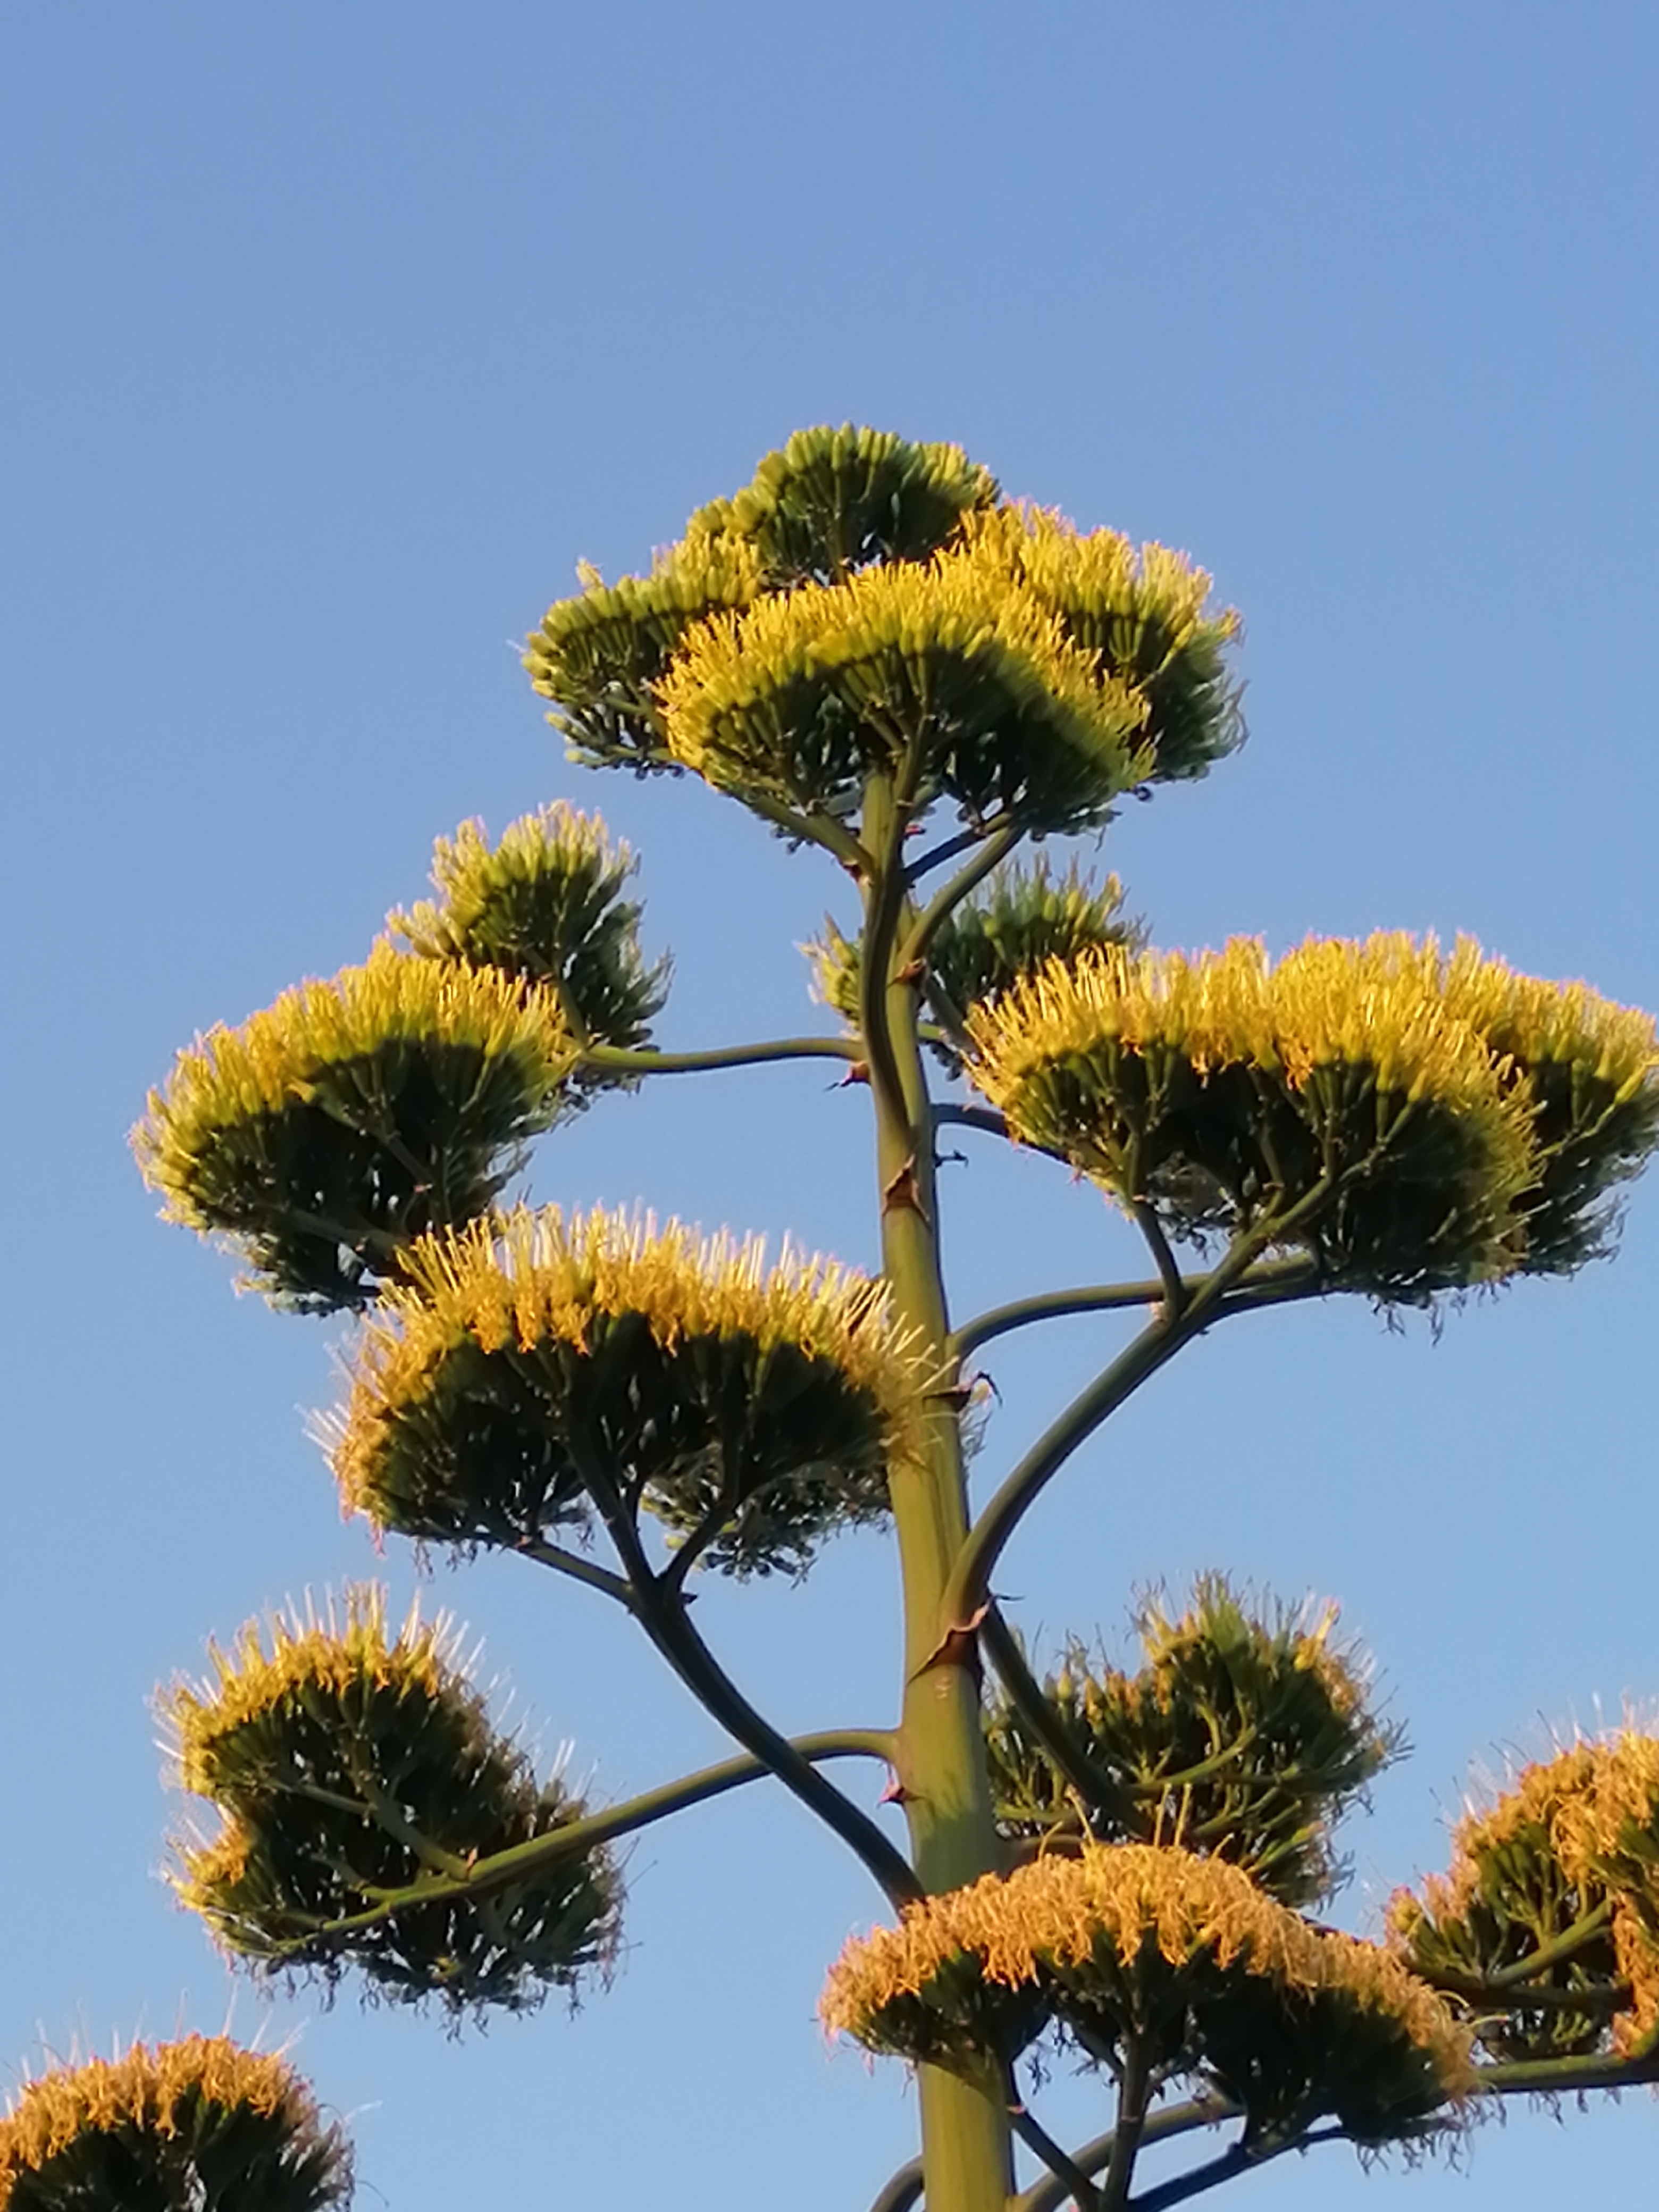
915, 681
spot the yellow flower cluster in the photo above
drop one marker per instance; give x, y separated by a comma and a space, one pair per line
469, 872
708, 569
1099, 583
1459, 1034
151, 2089
348, 1647
1591, 1815
1328, 1002
530, 1277
865, 598
831, 499
1530, 1021
1058, 1911
273, 1060
890, 639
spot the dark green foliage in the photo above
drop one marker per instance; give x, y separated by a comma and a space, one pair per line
332, 1128
1289, 2056
1194, 717
1508, 1898
324, 1194
1025, 918
1592, 1135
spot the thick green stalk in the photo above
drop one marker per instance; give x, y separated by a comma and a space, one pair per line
943, 1781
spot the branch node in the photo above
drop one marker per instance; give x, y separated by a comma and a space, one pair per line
958, 1646
903, 1191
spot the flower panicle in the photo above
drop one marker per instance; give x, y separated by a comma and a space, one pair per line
273, 1060
159, 2100
737, 662
519, 1277
1054, 1914
1572, 1840
346, 1644
467, 871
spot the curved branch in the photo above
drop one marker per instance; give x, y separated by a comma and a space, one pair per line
1051, 1305
1505, 1990
522, 1862
995, 850
1228, 2168
1275, 1282
1491, 1997
660, 1611
987, 1119
587, 1571
1567, 1945
902, 2190
619, 1060
1175, 1288
1280, 1283
1049, 2194
813, 827
1092, 1784
1563, 2077
1156, 1344
948, 849
1064, 2168
697, 1667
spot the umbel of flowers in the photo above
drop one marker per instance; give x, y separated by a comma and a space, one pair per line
915, 682
1547, 1924
346, 1762
1168, 1966
532, 1371
170, 2128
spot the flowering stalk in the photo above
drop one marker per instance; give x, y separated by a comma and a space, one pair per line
943, 1778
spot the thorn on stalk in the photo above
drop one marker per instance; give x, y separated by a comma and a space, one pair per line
912, 972
895, 1793
959, 1646
858, 1072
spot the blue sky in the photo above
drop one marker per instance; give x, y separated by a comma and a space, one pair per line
335, 336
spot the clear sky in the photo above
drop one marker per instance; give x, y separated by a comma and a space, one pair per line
333, 337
